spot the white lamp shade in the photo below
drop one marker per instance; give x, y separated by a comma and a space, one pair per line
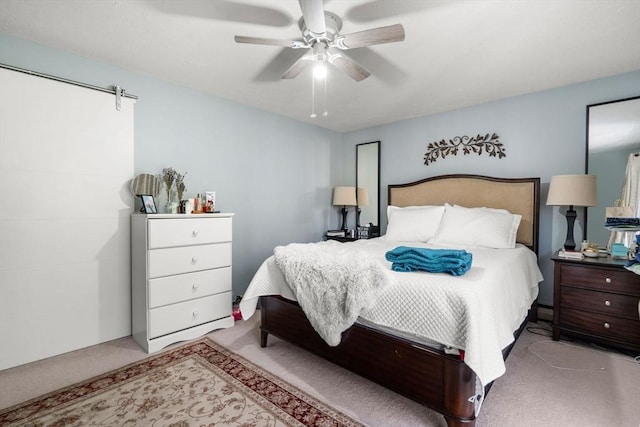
572, 190
344, 196
363, 196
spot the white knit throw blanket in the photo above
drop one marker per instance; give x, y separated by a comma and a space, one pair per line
332, 283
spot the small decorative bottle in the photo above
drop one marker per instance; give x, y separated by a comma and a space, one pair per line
584, 245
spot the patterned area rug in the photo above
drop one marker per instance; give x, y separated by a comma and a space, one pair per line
199, 384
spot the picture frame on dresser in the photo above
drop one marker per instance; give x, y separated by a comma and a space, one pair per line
148, 204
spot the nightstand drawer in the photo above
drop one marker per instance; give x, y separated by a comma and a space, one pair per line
165, 233
172, 289
601, 302
169, 261
602, 325
172, 318
615, 280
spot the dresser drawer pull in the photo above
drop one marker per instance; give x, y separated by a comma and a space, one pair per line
607, 303
606, 325
194, 233
195, 314
195, 288
194, 259
607, 280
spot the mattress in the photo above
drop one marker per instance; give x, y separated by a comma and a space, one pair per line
477, 312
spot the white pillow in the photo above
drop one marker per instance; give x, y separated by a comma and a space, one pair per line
494, 210
413, 223
477, 227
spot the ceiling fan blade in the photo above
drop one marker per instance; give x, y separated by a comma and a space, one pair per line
313, 14
295, 44
344, 63
273, 69
386, 71
389, 34
298, 66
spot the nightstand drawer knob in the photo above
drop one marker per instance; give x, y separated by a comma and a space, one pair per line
607, 280
607, 303
606, 325
194, 233
195, 288
194, 259
195, 314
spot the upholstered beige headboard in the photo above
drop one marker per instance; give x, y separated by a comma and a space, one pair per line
517, 195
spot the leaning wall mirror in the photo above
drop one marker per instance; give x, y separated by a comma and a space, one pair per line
368, 182
145, 184
613, 135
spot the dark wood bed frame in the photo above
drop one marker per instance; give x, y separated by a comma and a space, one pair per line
429, 376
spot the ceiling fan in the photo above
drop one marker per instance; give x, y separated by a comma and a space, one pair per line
321, 35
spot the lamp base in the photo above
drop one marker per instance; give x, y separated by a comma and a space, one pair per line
345, 211
570, 243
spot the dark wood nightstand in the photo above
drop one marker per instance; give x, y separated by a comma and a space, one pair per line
596, 299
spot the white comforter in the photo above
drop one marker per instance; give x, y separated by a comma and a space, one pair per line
477, 312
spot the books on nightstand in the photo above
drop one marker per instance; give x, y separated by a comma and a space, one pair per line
564, 253
335, 233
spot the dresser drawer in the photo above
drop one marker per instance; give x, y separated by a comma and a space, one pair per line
165, 233
602, 325
172, 289
615, 280
187, 259
175, 317
601, 302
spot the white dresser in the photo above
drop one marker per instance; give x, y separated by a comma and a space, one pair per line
181, 277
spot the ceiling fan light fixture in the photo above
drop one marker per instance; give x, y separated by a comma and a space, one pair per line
320, 70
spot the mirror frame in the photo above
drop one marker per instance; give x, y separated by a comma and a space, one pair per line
586, 160
377, 168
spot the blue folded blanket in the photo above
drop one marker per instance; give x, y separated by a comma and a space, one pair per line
453, 261
622, 222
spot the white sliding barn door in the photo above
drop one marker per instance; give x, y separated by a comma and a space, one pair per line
66, 158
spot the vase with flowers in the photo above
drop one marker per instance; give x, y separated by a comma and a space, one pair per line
174, 188
168, 177
180, 187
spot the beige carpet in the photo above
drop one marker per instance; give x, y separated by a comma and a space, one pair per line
199, 384
547, 383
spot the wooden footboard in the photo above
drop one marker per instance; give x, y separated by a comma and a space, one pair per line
440, 381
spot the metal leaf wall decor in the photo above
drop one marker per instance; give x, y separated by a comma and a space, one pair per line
488, 144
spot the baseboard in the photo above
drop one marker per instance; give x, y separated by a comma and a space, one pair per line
545, 313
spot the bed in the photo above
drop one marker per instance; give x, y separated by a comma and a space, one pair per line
421, 370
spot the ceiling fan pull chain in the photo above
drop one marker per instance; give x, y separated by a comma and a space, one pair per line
325, 113
313, 98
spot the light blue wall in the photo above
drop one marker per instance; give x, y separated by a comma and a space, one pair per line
274, 173
544, 134
277, 174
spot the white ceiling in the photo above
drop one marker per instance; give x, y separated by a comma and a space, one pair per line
457, 53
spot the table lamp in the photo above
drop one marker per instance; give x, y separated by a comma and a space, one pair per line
344, 196
362, 199
572, 190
